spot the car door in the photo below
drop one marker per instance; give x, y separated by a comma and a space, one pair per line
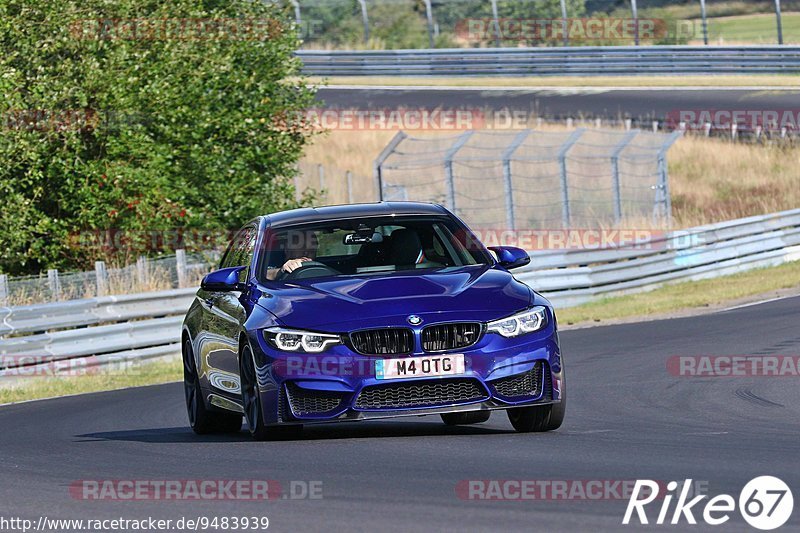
224, 314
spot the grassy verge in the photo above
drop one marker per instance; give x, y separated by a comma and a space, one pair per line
137, 376
753, 28
753, 80
686, 296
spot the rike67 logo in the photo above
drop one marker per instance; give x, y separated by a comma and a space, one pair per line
765, 503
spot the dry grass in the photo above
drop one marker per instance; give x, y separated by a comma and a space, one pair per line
339, 151
711, 179
714, 179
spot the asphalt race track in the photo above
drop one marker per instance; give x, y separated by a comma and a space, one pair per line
610, 103
628, 418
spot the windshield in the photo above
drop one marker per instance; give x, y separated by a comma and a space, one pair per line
367, 246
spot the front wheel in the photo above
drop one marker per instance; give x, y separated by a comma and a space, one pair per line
202, 420
539, 418
253, 409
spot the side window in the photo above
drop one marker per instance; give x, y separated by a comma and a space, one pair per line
227, 256
240, 250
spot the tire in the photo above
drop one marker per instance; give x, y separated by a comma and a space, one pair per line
202, 420
540, 418
253, 410
469, 417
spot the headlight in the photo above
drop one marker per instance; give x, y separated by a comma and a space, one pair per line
531, 320
292, 340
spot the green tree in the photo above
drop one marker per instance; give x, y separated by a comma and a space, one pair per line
142, 115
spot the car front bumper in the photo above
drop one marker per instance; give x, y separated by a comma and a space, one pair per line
341, 385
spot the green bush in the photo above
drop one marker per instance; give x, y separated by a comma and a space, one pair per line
168, 127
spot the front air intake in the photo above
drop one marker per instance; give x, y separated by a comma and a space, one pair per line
385, 341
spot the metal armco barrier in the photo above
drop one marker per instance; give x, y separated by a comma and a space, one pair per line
91, 311
113, 329
108, 330
578, 60
574, 277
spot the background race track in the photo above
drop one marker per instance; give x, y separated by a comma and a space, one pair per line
556, 103
628, 418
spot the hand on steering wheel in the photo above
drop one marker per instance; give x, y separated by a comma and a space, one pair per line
308, 269
293, 264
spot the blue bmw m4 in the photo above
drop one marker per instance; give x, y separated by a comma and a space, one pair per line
368, 311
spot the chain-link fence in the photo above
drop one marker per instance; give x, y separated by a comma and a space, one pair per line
177, 271
581, 178
400, 24
331, 185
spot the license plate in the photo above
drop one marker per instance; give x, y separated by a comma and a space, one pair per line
417, 367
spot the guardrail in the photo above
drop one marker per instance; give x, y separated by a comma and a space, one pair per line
91, 311
108, 330
578, 60
114, 329
574, 277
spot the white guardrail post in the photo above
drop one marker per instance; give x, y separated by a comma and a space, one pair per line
142, 271
3, 290
54, 285
180, 267
101, 275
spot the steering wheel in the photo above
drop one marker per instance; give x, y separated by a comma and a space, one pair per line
309, 269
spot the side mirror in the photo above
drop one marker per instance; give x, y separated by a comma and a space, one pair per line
510, 256
223, 280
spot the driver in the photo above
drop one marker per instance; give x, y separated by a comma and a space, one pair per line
300, 247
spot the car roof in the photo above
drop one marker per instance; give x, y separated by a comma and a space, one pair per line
334, 212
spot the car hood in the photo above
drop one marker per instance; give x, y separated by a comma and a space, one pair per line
341, 304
